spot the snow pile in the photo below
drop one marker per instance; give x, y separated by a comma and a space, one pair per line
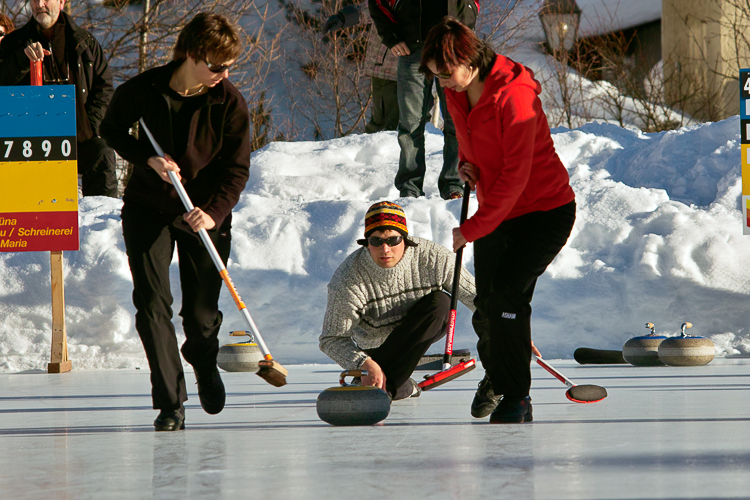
658, 238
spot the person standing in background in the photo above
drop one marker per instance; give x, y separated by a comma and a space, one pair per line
70, 55
403, 26
6, 26
380, 65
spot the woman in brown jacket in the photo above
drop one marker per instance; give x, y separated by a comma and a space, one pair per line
202, 122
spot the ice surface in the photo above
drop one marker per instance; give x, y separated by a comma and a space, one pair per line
662, 432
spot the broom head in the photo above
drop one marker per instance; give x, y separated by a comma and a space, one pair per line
586, 393
272, 372
444, 376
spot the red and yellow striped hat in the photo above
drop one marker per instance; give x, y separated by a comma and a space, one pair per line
385, 215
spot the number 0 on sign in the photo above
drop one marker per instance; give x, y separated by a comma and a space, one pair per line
38, 169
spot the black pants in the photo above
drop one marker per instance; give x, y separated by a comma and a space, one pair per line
507, 263
97, 166
424, 325
149, 242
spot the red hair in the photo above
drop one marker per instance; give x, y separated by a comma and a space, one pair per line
451, 44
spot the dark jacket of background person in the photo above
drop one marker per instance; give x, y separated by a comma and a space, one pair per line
506, 135
89, 70
216, 163
410, 20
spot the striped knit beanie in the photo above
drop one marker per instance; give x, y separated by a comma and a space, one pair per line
383, 216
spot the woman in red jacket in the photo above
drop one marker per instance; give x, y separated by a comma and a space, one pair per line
526, 205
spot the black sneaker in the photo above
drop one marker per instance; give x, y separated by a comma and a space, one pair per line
485, 400
512, 411
210, 390
169, 420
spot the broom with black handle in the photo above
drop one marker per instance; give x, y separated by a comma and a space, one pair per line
268, 369
449, 372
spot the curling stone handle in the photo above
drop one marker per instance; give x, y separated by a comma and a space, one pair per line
242, 333
651, 326
351, 373
685, 325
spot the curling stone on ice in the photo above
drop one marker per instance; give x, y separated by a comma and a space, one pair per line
239, 357
644, 350
687, 350
353, 404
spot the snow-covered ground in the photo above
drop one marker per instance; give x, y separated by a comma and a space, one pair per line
658, 238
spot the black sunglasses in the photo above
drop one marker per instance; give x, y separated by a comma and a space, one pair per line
391, 241
444, 76
2, 34
218, 68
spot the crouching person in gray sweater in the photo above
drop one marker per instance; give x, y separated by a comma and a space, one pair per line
387, 302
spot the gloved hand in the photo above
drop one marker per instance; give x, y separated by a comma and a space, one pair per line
334, 23
345, 18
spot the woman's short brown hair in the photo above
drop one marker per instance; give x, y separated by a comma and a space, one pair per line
6, 23
208, 35
451, 44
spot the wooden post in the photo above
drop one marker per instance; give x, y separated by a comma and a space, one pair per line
59, 361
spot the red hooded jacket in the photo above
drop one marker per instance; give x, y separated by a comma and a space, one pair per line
507, 137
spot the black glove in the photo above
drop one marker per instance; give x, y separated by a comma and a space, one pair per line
334, 23
346, 18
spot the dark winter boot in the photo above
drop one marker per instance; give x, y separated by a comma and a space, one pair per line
169, 420
485, 400
512, 411
210, 390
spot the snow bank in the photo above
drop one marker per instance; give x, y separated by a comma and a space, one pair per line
658, 238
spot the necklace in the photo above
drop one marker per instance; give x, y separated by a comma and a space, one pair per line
187, 93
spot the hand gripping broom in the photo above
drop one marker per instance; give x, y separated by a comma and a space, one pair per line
269, 370
449, 373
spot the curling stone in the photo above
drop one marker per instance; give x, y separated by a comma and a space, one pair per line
644, 350
239, 357
353, 404
687, 350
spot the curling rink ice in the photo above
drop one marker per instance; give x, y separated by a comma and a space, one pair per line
665, 432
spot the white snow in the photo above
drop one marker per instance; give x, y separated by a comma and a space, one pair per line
658, 238
599, 16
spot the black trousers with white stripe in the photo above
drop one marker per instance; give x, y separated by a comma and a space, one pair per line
507, 264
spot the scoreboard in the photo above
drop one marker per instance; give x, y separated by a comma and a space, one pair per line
38, 169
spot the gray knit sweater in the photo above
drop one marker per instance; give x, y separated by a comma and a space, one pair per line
366, 302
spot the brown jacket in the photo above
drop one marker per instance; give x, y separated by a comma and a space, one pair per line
216, 163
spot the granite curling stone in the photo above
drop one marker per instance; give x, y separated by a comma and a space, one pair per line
239, 357
644, 350
353, 404
687, 350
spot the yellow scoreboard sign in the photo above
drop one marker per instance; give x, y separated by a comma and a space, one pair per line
38, 169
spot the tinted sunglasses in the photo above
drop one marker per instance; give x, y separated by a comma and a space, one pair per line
444, 76
391, 241
218, 68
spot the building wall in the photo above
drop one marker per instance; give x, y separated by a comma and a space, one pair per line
704, 45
